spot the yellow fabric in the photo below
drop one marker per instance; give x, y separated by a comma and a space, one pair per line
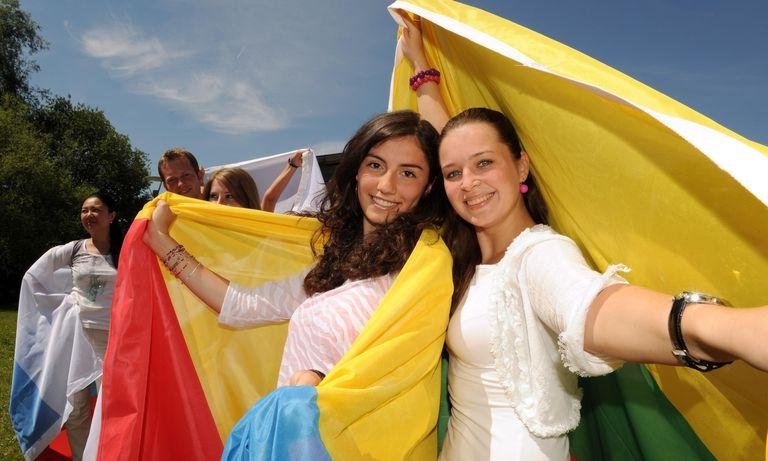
236, 367
392, 369
623, 185
391, 375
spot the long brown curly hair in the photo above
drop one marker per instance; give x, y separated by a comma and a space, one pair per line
346, 254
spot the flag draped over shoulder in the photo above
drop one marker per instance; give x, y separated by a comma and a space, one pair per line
634, 177
175, 382
53, 358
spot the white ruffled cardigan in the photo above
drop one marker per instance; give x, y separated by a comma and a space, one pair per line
537, 319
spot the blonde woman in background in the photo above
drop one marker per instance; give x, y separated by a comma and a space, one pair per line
232, 187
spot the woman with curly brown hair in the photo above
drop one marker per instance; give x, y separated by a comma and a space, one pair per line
377, 204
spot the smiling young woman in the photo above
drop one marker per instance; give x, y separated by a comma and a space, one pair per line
533, 301
79, 326
534, 314
479, 186
376, 206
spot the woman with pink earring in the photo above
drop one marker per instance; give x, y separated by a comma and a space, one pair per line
529, 314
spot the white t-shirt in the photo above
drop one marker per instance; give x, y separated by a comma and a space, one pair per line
93, 276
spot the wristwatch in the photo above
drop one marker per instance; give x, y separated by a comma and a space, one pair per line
679, 349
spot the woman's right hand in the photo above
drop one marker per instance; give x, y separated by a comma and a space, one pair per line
204, 283
163, 217
431, 105
156, 235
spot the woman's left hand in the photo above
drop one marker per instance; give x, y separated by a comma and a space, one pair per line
298, 157
304, 378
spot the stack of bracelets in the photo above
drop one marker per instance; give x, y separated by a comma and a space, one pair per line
177, 260
429, 75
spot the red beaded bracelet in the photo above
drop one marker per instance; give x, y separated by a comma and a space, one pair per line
424, 80
428, 75
432, 71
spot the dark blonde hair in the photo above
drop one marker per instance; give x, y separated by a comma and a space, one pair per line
239, 183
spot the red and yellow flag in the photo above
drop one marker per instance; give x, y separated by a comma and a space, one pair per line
175, 382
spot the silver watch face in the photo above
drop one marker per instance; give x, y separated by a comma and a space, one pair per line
698, 297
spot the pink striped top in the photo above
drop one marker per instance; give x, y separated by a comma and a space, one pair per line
321, 327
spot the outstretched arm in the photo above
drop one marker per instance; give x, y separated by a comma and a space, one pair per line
430, 101
272, 195
205, 284
631, 323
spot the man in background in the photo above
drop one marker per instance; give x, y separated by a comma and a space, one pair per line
180, 173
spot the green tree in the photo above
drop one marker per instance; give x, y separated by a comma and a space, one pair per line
37, 201
84, 143
51, 158
53, 153
18, 39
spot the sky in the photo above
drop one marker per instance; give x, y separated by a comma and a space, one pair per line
232, 80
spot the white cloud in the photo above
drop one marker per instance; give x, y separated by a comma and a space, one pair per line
241, 110
195, 90
220, 101
122, 48
239, 66
225, 105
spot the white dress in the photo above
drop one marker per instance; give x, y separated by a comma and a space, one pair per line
514, 418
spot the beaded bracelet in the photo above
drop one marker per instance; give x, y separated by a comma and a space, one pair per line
178, 249
179, 256
428, 75
432, 71
424, 80
174, 260
178, 272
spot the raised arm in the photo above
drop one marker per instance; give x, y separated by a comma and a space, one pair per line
272, 195
430, 101
205, 284
632, 323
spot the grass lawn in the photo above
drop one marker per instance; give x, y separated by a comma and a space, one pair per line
9, 448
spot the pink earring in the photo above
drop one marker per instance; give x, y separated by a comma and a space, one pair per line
523, 188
